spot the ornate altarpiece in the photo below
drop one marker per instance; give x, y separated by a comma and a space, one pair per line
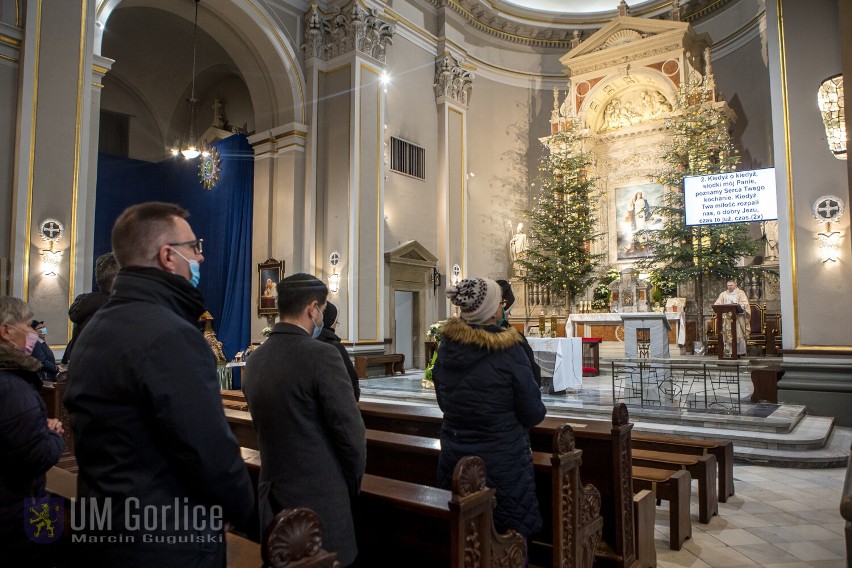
622, 83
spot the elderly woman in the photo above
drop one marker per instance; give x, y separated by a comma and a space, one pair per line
485, 387
30, 442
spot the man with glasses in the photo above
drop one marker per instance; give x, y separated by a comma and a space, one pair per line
308, 425
152, 443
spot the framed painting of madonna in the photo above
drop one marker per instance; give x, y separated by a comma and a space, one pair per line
634, 212
269, 274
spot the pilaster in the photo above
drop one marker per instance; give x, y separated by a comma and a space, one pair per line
345, 52
453, 88
54, 104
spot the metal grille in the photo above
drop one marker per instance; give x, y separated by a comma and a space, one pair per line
407, 158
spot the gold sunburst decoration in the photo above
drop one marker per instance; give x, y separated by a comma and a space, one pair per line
210, 168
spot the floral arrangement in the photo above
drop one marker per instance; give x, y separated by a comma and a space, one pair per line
434, 334
434, 331
266, 331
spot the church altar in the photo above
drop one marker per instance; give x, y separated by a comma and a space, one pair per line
561, 357
609, 327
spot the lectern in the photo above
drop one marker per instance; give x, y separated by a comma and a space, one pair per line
726, 315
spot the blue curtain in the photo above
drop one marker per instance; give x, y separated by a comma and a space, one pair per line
222, 217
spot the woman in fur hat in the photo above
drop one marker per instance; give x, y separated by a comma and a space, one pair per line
485, 387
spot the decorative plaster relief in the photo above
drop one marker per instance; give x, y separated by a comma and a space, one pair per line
343, 31
452, 80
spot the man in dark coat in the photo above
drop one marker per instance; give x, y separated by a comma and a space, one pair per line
44, 353
485, 387
85, 305
152, 443
329, 335
310, 431
30, 442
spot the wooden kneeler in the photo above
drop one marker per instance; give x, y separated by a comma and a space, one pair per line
674, 487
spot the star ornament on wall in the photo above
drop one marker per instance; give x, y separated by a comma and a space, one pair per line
210, 168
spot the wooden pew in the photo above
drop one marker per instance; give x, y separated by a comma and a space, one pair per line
393, 362
571, 512
702, 468
293, 539
420, 526
52, 393
722, 450
659, 479
606, 463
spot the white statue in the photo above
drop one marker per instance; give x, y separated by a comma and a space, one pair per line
769, 230
518, 245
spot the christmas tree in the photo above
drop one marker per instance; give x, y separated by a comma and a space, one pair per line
563, 223
700, 145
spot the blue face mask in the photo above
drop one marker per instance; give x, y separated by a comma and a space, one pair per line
317, 327
502, 319
194, 269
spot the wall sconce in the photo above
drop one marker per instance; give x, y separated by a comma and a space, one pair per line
827, 209
334, 277
456, 277
831, 104
436, 280
51, 231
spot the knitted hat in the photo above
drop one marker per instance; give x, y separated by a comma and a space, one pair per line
330, 315
477, 298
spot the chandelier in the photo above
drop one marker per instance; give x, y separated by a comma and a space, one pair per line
831, 104
189, 147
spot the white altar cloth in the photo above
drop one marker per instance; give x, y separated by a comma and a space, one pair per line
561, 356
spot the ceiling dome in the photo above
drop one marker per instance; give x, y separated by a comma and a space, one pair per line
577, 7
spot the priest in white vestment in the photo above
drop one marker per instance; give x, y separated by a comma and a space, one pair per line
733, 295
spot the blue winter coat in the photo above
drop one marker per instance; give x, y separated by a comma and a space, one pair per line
486, 389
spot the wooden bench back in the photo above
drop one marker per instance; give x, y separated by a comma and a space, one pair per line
606, 461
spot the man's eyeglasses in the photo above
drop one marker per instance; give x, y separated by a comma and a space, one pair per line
197, 245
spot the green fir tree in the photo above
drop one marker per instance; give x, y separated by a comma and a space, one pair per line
700, 145
563, 223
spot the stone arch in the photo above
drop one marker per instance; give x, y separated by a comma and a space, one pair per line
260, 48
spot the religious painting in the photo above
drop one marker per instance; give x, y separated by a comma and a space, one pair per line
269, 275
634, 212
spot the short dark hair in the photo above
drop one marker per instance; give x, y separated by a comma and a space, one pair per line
106, 268
506, 293
142, 229
299, 290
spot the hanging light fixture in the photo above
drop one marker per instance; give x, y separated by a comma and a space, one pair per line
189, 147
831, 105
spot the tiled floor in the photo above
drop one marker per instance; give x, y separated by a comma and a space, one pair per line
779, 517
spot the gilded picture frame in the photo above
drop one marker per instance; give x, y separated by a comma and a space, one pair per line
635, 211
269, 274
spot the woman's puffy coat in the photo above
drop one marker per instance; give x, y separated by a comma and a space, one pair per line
486, 389
27, 448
